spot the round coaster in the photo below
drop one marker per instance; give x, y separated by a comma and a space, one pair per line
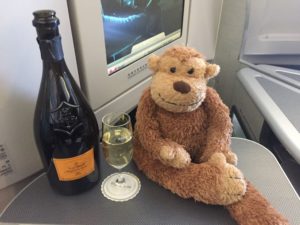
121, 192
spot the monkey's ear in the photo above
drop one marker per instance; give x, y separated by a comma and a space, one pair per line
212, 70
153, 62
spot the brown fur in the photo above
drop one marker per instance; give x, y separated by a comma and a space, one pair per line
254, 209
182, 139
182, 55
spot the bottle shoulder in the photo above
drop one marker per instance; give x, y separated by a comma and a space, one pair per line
61, 108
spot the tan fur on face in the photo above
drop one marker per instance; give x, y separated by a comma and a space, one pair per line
162, 87
165, 96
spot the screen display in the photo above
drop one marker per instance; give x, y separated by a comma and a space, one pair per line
135, 28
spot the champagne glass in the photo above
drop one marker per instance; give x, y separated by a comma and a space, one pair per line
118, 149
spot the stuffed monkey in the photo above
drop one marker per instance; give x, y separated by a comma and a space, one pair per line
182, 139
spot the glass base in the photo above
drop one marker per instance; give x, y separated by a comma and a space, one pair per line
123, 191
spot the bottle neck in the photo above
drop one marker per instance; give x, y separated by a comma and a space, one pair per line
51, 49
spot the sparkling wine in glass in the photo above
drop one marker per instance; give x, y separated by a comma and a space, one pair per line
118, 149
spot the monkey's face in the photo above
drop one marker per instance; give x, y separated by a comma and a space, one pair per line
179, 86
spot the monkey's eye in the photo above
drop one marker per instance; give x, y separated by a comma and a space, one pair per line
191, 71
173, 69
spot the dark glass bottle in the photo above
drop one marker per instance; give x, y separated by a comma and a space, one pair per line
65, 126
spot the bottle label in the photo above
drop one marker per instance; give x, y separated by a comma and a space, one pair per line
76, 167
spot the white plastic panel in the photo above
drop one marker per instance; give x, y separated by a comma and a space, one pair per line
282, 126
204, 23
272, 32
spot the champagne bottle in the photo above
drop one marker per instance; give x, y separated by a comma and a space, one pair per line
65, 126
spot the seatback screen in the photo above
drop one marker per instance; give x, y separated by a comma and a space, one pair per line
135, 28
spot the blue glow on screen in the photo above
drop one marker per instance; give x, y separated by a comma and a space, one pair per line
127, 19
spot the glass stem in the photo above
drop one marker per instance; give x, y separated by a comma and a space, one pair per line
120, 179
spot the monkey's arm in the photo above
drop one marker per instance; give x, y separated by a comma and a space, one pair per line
219, 127
148, 133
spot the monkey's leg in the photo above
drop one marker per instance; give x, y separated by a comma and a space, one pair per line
212, 182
